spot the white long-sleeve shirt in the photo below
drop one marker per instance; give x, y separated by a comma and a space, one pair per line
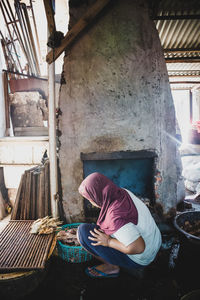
146, 228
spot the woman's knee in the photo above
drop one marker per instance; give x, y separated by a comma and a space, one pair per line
84, 231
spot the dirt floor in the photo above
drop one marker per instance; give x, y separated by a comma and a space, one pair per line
160, 282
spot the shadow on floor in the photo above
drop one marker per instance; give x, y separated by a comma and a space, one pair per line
68, 281
62, 280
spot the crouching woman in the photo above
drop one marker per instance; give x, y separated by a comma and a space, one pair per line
125, 236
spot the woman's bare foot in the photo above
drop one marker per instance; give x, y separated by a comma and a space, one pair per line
105, 268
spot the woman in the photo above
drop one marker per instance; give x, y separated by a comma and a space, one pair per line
126, 234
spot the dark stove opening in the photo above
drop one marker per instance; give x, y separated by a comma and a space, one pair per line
133, 170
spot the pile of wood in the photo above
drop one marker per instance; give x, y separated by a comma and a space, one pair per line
33, 195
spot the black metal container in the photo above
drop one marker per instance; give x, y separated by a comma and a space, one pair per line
180, 220
188, 261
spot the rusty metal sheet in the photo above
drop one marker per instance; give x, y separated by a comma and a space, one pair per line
29, 84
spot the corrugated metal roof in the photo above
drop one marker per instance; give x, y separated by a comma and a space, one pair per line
178, 25
184, 67
179, 34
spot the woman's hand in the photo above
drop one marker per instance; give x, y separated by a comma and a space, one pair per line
137, 247
99, 237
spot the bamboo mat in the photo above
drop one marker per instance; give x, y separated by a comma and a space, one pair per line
21, 250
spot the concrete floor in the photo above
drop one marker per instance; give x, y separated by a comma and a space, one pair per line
68, 281
62, 280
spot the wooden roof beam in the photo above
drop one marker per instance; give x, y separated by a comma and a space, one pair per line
179, 50
183, 60
88, 17
183, 76
185, 82
176, 17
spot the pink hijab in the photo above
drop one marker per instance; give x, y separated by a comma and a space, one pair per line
117, 207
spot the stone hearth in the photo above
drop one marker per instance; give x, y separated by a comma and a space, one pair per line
116, 98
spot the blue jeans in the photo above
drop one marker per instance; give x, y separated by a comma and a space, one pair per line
109, 255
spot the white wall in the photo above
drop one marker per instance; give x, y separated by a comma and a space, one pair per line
182, 108
18, 154
196, 105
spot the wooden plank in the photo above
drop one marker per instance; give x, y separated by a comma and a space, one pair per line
14, 215
42, 192
38, 204
6, 99
31, 196
88, 17
47, 190
33, 216
36, 179
23, 199
33, 193
50, 15
28, 195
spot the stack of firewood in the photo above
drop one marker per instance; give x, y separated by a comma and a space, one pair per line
33, 195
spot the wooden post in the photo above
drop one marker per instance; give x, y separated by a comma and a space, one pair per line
50, 15
76, 29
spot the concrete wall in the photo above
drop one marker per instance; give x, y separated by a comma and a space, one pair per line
117, 97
